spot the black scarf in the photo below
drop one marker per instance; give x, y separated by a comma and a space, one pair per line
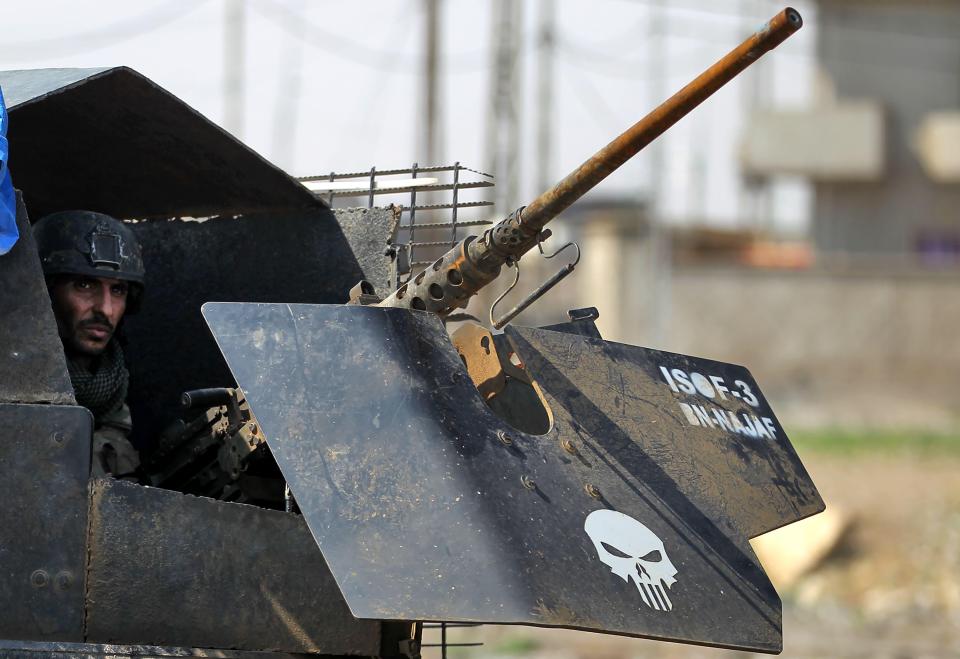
105, 389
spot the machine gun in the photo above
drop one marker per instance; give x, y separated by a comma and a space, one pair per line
205, 455
617, 496
476, 261
217, 451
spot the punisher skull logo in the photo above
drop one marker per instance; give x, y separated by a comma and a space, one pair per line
631, 550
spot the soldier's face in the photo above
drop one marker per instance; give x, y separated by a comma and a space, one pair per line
88, 310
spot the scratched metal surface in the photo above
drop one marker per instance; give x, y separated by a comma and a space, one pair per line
32, 366
113, 140
629, 417
45, 462
423, 512
171, 569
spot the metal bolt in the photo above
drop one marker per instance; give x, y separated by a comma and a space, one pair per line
64, 579
58, 437
504, 437
528, 482
39, 579
568, 446
592, 490
253, 428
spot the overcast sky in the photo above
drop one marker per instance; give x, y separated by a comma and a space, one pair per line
337, 85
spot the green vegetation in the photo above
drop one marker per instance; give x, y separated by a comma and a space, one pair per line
844, 441
516, 645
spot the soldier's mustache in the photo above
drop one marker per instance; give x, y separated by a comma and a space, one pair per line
97, 319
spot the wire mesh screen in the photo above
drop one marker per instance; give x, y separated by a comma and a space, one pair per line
437, 642
440, 206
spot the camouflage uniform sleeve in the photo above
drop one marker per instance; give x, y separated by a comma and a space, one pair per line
113, 454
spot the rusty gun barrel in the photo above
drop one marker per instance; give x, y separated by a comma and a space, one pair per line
472, 264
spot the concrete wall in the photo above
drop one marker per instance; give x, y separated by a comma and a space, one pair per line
854, 346
868, 341
828, 347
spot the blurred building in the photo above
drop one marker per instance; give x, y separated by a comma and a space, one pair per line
883, 147
854, 326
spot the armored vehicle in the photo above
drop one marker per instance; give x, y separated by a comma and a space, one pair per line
337, 476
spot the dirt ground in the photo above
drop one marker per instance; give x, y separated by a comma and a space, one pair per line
889, 589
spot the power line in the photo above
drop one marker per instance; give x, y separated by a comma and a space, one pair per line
593, 104
585, 57
432, 128
633, 69
547, 20
234, 66
100, 38
895, 29
697, 7
370, 104
628, 37
350, 50
287, 103
504, 111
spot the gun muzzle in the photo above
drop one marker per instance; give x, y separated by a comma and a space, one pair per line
475, 262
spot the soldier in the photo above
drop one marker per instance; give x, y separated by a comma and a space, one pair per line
94, 272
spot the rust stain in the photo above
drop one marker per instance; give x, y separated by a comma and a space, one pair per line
479, 260
561, 616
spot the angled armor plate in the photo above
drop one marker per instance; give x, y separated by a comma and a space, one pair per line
423, 512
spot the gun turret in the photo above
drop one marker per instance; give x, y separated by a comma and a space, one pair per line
476, 261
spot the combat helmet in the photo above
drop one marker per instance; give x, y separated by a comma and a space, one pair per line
78, 242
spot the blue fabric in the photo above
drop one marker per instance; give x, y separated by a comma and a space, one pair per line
8, 200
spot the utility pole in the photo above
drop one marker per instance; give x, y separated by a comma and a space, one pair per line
756, 194
503, 117
545, 109
234, 66
763, 79
656, 76
661, 245
431, 134
288, 97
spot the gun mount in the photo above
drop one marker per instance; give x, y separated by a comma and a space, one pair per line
475, 262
